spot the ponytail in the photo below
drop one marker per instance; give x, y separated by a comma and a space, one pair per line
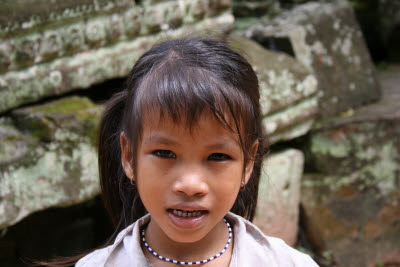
120, 197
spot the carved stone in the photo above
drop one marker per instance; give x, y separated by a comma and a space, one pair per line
279, 195
326, 38
288, 91
114, 33
48, 157
352, 199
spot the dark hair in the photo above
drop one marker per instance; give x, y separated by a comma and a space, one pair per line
180, 79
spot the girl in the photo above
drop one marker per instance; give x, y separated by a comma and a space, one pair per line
180, 154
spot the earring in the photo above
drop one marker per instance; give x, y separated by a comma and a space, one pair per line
242, 186
133, 182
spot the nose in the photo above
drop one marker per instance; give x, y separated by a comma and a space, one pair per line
191, 182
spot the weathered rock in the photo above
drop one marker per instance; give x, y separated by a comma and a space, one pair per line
15, 146
252, 8
279, 195
23, 15
353, 199
288, 90
327, 40
62, 52
54, 161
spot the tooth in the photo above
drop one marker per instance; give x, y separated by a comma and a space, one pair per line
179, 213
184, 214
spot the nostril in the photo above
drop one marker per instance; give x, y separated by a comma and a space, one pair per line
190, 187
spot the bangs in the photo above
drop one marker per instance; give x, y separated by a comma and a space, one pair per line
184, 93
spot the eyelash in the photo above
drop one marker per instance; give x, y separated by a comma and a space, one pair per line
219, 157
168, 154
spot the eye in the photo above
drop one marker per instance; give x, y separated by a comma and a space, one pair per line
167, 154
219, 157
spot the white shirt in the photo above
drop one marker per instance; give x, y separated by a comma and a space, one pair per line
251, 248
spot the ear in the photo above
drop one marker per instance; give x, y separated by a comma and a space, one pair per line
250, 164
126, 155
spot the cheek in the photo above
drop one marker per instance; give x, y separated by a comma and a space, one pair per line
150, 182
226, 185
152, 194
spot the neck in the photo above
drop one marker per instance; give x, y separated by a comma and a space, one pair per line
203, 248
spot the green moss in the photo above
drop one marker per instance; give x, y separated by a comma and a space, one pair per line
70, 105
71, 114
40, 128
242, 24
12, 138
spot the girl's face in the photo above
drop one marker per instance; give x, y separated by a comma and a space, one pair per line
188, 179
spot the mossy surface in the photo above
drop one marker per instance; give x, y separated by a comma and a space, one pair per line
326, 38
53, 161
353, 199
63, 173
75, 114
288, 91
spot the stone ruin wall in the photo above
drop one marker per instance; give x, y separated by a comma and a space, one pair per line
317, 95
53, 52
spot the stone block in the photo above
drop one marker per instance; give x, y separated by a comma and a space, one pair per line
48, 157
252, 8
23, 16
279, 195
326, 38
70, 38
194, 10
28, 83
288, 91
353, 197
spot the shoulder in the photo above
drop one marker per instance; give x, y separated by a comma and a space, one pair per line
249, 240
120, 252
288, 255
95, 258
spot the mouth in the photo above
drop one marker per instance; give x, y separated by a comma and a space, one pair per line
187, 214
187, 219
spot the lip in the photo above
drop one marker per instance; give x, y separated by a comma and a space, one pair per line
187, 222
187, 207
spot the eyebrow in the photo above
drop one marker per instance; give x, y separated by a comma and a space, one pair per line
224, 144
160, 139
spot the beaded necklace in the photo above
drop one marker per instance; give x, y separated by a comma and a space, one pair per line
190, 262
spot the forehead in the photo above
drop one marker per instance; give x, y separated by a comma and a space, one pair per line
204, 126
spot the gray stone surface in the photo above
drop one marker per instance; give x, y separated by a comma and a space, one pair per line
288, 91
326, 38
252, 8
353, 197
25, 15
279, 195
64, 54
48, 157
